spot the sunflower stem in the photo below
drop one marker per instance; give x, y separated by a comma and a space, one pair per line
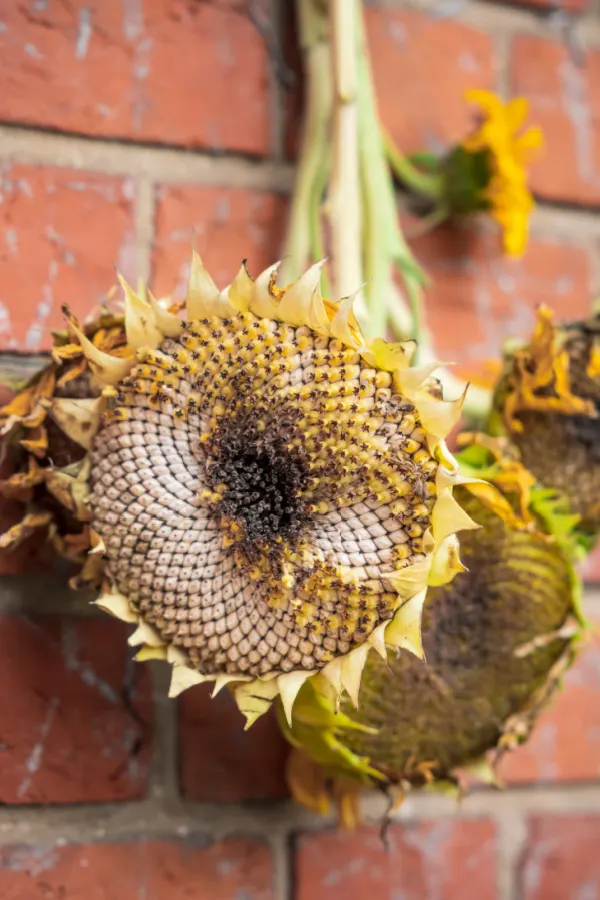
437, 216
343, 206
384, 243
311, 170
427, 184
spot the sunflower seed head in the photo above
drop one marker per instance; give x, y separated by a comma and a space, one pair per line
253, 483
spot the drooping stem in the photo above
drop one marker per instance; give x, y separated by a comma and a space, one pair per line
343, 199
311, 169
384, 243
425, 183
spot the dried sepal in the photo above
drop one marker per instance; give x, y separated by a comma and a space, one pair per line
71, 487
30, 523
203, 298
107, 368
141, 327
404, 631
295, 306
78, 418
264, 303
169, 324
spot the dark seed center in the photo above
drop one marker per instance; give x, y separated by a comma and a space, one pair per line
264, 481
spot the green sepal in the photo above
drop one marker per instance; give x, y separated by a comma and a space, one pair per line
315, 728
466, 176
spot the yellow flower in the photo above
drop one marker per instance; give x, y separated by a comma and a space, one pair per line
510, 149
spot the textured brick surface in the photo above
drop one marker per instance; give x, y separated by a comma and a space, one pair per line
422, 67
565, 744
226, 225
167, 71
561, 859
564, 95
234, 869
442, 860
478, 298
75, 712
222, 763
62, 233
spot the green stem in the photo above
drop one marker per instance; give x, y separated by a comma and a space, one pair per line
343, 205
317, 247
427, 223
315, 133
424, 160
384, 243
429, 185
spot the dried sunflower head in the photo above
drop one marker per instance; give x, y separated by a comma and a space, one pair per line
39, 431
496, 642
270, 492
547, 403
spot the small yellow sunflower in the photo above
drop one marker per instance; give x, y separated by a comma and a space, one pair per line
505, 150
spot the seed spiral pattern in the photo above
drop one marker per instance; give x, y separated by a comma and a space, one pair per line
253, 483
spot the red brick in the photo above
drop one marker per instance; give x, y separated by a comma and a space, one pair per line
170, 72
63, 233
226, 225
564, 97
445, 860
422, 67
561, 859
75, 712
162, 870
565, 744
476, 292
222, 763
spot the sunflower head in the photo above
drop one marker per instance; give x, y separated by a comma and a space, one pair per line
40, 430
269, 494
547, 402
496, 642
487, 171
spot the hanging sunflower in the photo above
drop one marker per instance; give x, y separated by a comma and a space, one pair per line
496, 642
486, 172
269, 493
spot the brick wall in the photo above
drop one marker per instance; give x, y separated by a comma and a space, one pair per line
128, 128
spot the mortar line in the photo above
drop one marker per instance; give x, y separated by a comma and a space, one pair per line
156, 165
164, 769
511, 830
170, 165
154, 818
272, 33
281, 855
515, 20
144, 226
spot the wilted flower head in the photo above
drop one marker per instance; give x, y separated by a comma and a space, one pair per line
548, 401
270, 493
497, 641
